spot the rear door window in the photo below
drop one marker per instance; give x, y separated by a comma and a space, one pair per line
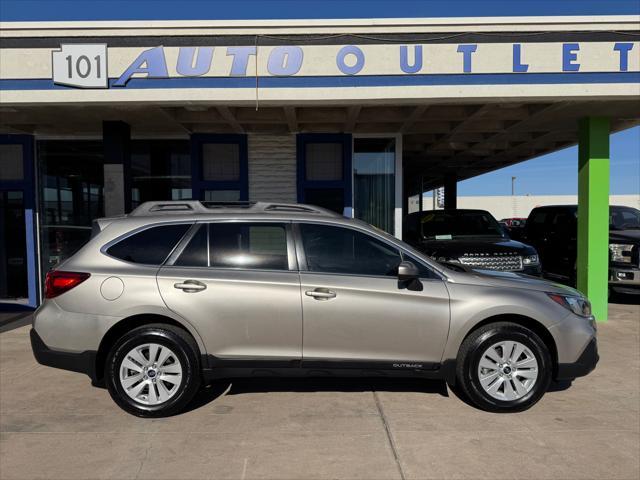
151, 246
237, 245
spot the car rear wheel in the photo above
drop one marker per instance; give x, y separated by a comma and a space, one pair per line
153, 371
504, 367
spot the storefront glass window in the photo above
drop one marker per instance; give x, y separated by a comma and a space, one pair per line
374, 181
160, 170
222, 195
323, 161
13, 246
221, 162
11, 165
71, 196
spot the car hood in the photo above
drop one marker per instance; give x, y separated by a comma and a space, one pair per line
493, 278
624, 236
488, 245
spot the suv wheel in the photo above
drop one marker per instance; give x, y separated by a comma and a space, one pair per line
504, 367
153, 371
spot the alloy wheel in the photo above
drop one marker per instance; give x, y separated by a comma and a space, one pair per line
507, 370
151, 374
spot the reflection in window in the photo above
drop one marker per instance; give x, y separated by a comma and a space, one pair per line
323, 161
222, 195
71, 196
11, 164
13, 246
221, 162
343, 250
160, 170
242, 245
374, 181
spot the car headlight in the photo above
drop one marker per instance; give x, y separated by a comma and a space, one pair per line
620, 252
578, 305
531, 260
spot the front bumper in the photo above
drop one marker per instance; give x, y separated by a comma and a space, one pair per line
534, 270
585, 364
626, 279
84, 362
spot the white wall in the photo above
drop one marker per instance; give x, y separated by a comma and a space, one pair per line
521, 205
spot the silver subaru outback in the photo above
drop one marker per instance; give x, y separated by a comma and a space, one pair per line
177, 294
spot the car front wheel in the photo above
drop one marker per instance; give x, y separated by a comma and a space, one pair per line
504, 367
153, 371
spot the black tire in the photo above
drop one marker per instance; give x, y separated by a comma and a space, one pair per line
185, 349
470, 354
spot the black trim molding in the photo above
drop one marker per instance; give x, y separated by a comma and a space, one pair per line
318, 39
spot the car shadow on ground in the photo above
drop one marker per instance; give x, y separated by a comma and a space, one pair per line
242, 386
12, 320
624, 299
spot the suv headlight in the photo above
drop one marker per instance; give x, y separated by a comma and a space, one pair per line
578, 305
620, 252
531, 260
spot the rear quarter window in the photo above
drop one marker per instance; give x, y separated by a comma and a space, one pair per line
151, 246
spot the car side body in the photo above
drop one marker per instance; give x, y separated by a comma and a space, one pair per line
288, 318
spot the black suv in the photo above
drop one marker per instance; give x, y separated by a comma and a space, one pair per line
553, 231
470, 237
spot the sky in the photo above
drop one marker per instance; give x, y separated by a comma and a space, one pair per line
33, 10
557, 173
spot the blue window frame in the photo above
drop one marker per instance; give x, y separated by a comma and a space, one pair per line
227, 180
325, 188
18, 199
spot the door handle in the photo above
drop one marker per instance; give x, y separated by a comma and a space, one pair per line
320, 294
190, 286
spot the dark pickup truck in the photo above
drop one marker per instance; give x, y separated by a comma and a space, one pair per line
469, 237
553, 231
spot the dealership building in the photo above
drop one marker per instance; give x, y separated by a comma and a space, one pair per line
355, 115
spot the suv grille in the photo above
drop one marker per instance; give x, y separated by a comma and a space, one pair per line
505, 262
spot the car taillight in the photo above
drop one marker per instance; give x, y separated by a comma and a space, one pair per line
58, 282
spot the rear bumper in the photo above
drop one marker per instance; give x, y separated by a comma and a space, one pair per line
585, 364
83, 362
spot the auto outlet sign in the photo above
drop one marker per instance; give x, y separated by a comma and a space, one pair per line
101, 66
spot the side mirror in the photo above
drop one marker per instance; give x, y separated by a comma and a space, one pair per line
408, 277
407, 271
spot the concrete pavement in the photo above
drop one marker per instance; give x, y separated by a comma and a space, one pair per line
53, 424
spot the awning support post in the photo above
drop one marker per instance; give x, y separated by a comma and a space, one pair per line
450, 191
593, 213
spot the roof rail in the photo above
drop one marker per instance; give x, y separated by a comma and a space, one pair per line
211, 204
196, 206
171, 206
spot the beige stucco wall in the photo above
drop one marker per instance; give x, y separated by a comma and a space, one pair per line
272, 168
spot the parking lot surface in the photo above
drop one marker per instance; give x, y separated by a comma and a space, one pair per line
53, 424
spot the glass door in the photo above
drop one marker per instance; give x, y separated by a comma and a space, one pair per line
18, 279
374, 181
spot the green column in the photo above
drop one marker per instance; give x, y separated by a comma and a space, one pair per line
593, 213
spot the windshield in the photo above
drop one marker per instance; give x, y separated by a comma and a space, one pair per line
443, 225
624, 218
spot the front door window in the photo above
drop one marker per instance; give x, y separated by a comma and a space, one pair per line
332, 249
